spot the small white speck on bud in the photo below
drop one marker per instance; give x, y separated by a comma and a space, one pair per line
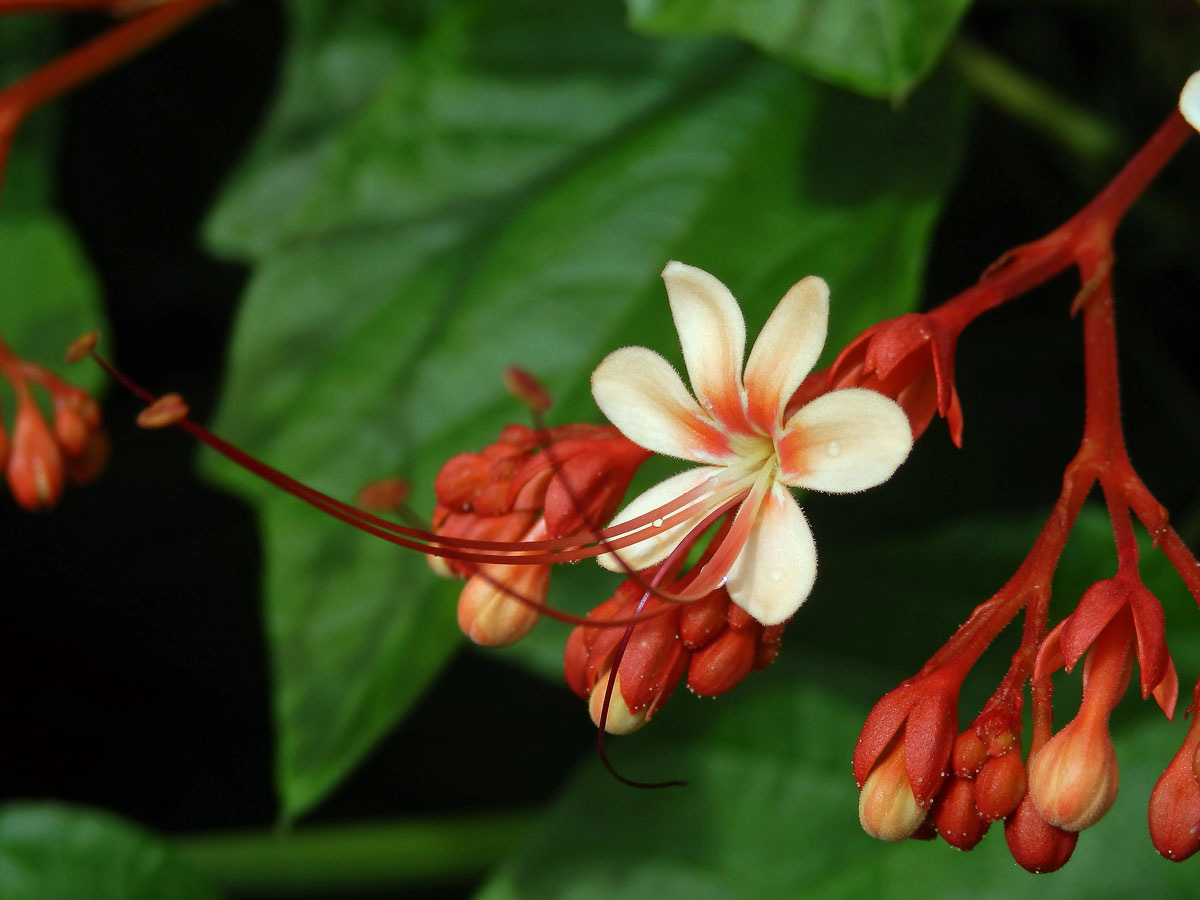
1189, 100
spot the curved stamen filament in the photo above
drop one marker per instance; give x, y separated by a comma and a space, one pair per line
613, 538
564, 549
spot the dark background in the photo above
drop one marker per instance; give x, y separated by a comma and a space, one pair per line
137, 681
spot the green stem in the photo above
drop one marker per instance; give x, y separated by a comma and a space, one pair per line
1038, 105
354, 857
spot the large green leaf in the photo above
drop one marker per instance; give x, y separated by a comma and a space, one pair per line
70, 853
770, 809
507, 190
880, 48
49, 296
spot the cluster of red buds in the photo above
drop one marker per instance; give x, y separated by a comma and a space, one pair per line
712, 644
39, 459
530, 485
918, 775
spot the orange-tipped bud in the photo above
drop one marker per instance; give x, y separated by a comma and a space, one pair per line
1036, 845
999, 786
82, 346
490, 615
954, 813
385, 494
35, 465
163, 412
887, 808
1175, 802
526, 388
1073, 779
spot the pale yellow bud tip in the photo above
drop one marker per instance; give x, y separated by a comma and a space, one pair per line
621, 719
887, 808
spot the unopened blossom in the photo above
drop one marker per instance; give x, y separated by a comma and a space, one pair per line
732, 423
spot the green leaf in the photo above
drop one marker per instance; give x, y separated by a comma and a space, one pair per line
71, 853
770, 809
880, 48
508, 193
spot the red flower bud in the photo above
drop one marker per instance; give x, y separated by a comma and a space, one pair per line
1000, 785
723, 662
910, 359
1175, 800
702, 620
925, 712
1073, 779
958, 821
1035, 844
969, 755
490, 615
35, 465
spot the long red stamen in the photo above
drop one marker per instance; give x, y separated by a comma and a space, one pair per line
611, 539
566, 549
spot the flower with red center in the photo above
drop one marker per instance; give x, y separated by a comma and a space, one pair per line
734, 426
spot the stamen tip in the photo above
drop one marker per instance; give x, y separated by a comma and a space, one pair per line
163, 412
82, 346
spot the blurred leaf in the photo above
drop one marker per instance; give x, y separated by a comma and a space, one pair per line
50, 296
880, 48
48, 850
508, 191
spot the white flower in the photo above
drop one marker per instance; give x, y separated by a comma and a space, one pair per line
843, 441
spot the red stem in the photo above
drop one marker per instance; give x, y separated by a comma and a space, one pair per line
84, 63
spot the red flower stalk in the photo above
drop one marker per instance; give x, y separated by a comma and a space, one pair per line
1072, 778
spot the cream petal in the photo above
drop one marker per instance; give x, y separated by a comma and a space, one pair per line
1189, 100
712, 333
645, 398
659, 542
774, 573
844, 441
786, 351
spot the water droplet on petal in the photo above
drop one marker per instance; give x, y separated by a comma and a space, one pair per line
833, 448
658, 523
775, 576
